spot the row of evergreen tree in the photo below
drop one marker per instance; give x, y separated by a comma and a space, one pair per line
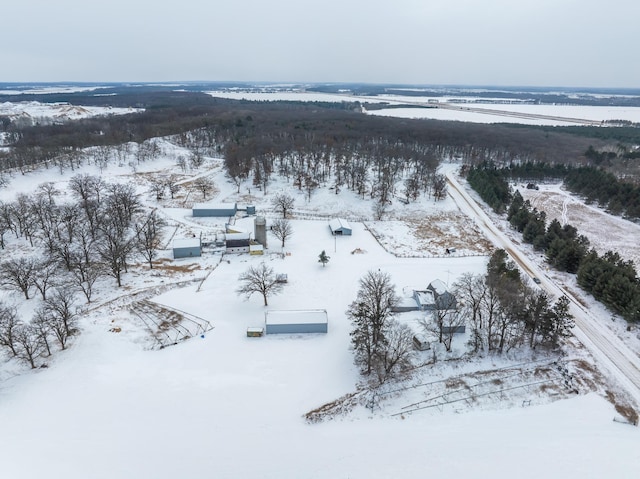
609, 278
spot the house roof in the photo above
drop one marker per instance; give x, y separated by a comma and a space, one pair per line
438, 286
237, 236
186, 243
304, 316
339, 223
425, 297
215, 206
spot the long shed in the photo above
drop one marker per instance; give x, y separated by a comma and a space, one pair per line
214, 209
296, 321
186, 248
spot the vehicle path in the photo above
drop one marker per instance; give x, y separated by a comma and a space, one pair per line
607, 348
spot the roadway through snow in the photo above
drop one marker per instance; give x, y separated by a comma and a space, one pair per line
606, 347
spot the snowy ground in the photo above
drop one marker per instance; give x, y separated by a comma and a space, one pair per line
555, 114
228, 406
57, 111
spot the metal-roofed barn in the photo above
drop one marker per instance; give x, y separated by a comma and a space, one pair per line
296, 321
237, 242
339, 226
214, 209
186, 248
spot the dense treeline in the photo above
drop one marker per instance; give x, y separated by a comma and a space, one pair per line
608, 278
491, 185
617, 196
242, 122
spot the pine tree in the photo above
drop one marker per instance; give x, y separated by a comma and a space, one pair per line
323, 258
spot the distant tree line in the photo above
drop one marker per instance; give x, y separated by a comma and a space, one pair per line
219, 124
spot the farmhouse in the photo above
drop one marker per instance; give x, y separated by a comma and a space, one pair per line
186, 248
296, 321
443, 298
339, 226
214, 209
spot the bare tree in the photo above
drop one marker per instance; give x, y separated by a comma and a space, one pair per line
60, 307
397, 351
204, 186
380, 209
45, 273
29, 344
282, 229
114, 247
370, 314
18, 273
283, 203
259, 279
9, 323
84, 276
148, 232
173, 185
41, 325
439, 185
157, 186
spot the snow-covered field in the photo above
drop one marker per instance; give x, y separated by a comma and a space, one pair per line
552, 115
57, 111
228, 406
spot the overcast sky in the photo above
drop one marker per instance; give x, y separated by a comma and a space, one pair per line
591, 43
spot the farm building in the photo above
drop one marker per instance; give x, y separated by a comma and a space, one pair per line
296, 321
237, 242
425, 299
256, 249
443, 298
338, 226
186, 248
214, 209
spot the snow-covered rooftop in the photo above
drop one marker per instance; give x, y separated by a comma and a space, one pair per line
302, 316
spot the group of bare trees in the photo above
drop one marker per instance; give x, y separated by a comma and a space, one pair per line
53, 322
74, 244
504, 313
98, 233
382, 345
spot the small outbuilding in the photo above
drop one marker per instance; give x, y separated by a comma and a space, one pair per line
186, 248
296, 321
214, 209
256, 249
339, 226
237, 242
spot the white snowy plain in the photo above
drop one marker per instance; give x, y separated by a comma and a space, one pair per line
228, 406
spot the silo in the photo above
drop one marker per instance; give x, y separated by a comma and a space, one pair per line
260, 226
